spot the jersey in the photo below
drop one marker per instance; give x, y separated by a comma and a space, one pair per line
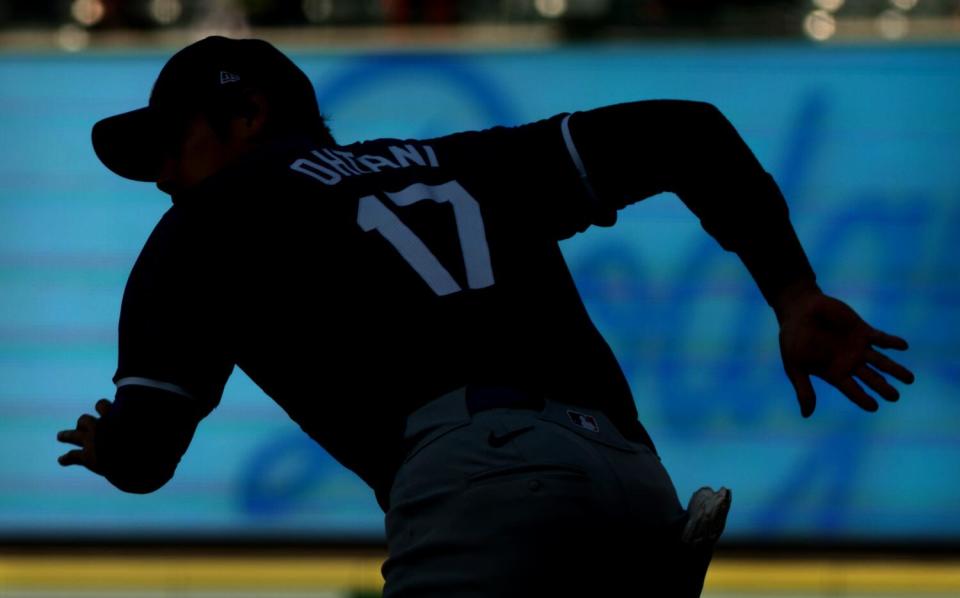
355, 283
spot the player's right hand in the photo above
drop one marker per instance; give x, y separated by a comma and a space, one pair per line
824, 337
84, 436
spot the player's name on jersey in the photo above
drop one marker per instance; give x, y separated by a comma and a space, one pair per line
330, 166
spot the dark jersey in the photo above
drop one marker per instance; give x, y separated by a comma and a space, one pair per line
355, 283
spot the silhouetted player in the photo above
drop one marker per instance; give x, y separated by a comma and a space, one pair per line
407, 304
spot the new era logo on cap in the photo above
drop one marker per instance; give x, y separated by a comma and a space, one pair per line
228, 77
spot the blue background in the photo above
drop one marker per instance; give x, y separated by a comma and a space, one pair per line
865, 142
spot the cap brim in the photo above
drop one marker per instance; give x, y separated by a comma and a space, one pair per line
128, 144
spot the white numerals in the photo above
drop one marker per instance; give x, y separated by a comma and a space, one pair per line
374, 215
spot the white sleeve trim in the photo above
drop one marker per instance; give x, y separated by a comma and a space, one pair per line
575, 155
134, 380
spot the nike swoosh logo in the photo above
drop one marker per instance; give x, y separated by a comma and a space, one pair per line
498, 441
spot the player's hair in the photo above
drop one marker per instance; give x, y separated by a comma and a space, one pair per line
279, 121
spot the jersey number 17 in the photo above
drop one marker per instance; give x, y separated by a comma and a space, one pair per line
372, 214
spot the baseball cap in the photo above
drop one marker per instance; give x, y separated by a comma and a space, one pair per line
202, 76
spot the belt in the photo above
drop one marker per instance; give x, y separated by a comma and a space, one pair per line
482, 398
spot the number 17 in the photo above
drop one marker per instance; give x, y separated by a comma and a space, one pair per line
372, 214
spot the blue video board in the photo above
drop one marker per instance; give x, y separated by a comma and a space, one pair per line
864, 141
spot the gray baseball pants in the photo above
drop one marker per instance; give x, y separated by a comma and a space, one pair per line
519, 502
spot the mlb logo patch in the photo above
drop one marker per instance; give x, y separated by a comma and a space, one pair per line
587, 422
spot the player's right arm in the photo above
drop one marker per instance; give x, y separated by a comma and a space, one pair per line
593, 163
627, 152
138, 440
173, 362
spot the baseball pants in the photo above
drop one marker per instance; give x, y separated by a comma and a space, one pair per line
510, 502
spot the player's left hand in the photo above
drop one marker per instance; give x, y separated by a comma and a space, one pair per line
84, 436
825, 337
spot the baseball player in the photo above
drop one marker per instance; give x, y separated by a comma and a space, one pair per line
406, 303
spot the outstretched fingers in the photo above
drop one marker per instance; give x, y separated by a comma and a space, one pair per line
885, 364
856, 394
80, 435
74, 457
85, 427
878, 383
71, 436
887, 341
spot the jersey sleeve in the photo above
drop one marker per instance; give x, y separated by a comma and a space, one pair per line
537, 167
173, 332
